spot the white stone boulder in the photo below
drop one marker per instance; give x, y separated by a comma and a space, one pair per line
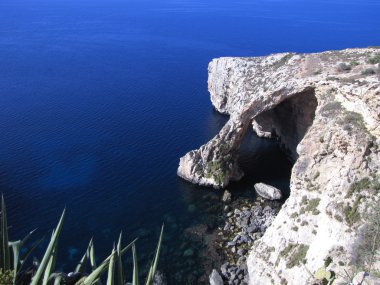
215, 278
268, 192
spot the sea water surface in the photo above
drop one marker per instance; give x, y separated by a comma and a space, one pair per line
100, 98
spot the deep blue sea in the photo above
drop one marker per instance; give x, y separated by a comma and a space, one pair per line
100, 98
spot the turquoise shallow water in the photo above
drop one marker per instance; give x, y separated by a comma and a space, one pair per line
99, 99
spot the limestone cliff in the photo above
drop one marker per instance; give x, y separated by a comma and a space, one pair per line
325, 109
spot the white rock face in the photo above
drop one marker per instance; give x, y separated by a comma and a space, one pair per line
215, 278
268, 192
329, 120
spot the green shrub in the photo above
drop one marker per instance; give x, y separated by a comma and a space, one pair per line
294, 215
312, 206
369, 242
298, 256
284, 253
354, 119
283, 60
354, 63
375, 59
343, 67
331, 108
352, 214
6, 277
358, 186
368, 71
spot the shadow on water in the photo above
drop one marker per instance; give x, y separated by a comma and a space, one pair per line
262, 160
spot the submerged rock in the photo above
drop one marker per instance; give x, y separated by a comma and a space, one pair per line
159, 279
226, 197
188, 252
268, 192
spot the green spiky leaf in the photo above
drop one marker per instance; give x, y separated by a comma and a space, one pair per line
81, 267
110, 276
153, 267
95, 274
29, 252
16, 245
135, 278
5, 257
120, 262
49, 267
50, 249
92, 257
57, 280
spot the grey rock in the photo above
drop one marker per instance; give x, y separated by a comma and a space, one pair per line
188, 252
252, 229
268, 192
226, 197
215, 278
223, 268
241, 251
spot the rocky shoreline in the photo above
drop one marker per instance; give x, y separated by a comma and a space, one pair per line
324, 108
246, 220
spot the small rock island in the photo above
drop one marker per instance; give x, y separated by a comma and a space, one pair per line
325, 110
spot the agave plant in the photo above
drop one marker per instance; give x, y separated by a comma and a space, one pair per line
11, 274
10, 251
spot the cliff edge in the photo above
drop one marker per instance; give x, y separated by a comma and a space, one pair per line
325, 109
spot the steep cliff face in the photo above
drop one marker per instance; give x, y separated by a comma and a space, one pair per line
325, 109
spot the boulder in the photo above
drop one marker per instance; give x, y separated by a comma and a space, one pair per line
267, 191
215, 278
226, 197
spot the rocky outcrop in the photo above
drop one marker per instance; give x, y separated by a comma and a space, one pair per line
328, 118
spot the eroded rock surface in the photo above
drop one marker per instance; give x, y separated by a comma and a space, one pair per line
328, 117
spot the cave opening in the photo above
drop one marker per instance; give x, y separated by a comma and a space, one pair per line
268, 151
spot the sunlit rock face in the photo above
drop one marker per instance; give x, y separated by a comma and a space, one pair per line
328, 119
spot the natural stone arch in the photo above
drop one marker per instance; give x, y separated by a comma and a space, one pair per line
215, 163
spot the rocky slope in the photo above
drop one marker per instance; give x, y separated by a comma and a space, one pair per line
325, 109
